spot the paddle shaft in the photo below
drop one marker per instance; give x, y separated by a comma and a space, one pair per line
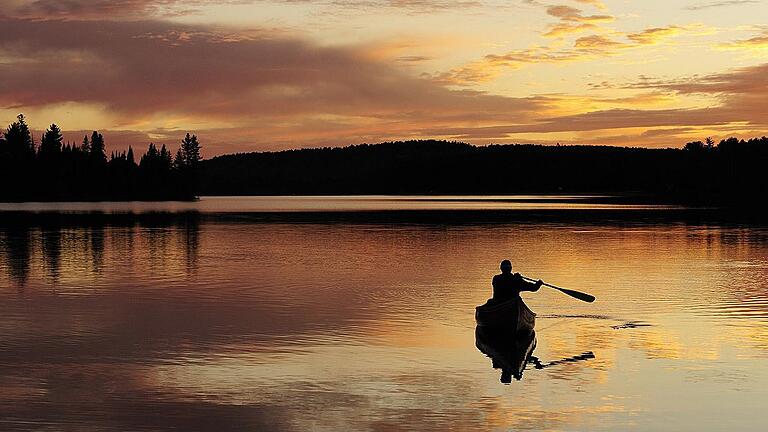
575, 294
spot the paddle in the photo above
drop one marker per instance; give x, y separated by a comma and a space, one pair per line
575, 294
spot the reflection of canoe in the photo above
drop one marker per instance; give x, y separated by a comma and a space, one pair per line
509, 351
509, 315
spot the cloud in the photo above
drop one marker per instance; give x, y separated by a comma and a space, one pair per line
759, 42
572, 20
596, 42
420, 5
258, 89
741, 92
751, 80
738, 106
745, 87
652, 36
596, 3
709, 5
584, 48
78, 10
266, 88
101, 9
413, 58
467, 75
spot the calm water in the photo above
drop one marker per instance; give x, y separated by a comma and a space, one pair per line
228, 314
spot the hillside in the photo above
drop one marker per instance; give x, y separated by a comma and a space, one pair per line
730, 171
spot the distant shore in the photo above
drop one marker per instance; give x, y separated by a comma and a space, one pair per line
727, 174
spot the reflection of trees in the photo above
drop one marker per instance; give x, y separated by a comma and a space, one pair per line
173, 240
158, 239
96, 237
18, 251
100, 244
51, 246
190, 237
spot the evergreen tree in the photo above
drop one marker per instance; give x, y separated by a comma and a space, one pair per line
18, 138
98, 153
85, 147
165, 158
68, 171
190, 149
50, 144
178, 160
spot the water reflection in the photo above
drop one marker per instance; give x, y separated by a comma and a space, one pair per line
538, 364
509, 351
17, 246
74, 247
51, 246
365, 321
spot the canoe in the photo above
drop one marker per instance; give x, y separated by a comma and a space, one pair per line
509, 351
511, 315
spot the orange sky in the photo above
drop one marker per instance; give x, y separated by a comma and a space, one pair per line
265, 75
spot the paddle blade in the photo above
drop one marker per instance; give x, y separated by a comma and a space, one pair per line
577, 294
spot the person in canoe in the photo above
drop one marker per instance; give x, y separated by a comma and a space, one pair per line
508, 285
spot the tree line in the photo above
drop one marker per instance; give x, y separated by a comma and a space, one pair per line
731, 172
52, 170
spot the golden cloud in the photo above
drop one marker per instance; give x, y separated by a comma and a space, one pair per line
759, 42
652, 36
572, 21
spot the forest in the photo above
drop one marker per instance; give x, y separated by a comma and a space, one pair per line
52, 170
729, 172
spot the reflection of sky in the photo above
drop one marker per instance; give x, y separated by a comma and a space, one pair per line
194, 323
341, 204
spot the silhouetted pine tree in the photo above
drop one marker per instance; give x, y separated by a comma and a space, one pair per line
98, 153
188, 165
190, 149
50, 144
50, 167
17, 168
85, 147
165, 159
154, 168
72, 172
178, 160
19, 140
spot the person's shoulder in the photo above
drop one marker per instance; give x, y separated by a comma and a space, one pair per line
517, 276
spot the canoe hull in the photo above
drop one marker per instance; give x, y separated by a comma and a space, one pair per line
512, 315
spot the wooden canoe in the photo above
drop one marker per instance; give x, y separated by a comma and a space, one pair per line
512, 315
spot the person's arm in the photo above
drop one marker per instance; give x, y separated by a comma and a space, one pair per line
529, 286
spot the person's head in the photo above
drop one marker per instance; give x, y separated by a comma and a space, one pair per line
506, 266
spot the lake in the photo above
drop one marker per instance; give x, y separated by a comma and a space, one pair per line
339, 313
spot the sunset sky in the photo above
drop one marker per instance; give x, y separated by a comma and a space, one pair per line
266, 75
